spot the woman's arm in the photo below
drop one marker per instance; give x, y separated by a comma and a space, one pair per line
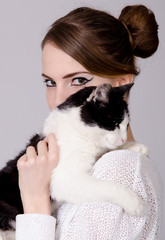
35, 170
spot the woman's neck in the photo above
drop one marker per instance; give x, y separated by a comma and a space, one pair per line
130, 137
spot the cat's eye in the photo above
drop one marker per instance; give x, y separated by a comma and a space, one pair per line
116, 123
50, 83
79, 81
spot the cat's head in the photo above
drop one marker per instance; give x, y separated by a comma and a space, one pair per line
103, 113
107, 108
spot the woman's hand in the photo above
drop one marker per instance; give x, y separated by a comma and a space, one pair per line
35, 172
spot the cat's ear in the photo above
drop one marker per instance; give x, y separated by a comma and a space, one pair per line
101, 93
124, 89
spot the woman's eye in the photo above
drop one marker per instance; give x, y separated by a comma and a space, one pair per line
50, 83
78, 81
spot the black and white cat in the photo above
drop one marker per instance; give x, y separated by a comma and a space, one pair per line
88, 124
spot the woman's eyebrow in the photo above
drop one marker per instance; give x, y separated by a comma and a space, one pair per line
66, 76
73, 74
44, 75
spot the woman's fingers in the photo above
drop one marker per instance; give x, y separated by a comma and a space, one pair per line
31, 153
21, 161
47, 150
53, 150
42, 148
52, 143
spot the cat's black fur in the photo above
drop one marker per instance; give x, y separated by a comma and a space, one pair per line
91, 114
105, 115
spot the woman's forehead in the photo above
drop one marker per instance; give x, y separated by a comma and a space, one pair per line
55, 60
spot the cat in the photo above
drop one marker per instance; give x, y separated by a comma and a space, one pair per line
88, 124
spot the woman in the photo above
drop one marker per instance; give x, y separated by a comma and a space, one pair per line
85, 48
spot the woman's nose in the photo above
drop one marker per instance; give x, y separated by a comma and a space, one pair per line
61, 95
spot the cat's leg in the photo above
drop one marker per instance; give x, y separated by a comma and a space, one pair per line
82, 188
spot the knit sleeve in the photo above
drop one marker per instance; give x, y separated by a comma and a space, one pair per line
35, 227
105, 220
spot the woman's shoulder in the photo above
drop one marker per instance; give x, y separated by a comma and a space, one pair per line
125, 166
120, 159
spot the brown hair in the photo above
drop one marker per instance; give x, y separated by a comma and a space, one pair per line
104, 45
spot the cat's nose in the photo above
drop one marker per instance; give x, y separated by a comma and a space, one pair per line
124, 140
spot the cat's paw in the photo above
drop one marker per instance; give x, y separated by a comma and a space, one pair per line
132, 204
137, 147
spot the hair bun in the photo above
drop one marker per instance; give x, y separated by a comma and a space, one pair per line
142, 25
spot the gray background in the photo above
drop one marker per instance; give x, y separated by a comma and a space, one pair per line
22, 92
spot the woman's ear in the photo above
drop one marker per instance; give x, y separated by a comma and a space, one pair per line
125, 79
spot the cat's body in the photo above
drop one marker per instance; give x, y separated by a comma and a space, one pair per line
90, 123
94, 127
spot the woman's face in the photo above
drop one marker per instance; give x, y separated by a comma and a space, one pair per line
64, 76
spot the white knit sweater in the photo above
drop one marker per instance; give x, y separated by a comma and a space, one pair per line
103, 221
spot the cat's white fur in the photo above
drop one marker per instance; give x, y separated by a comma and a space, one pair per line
80, 145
